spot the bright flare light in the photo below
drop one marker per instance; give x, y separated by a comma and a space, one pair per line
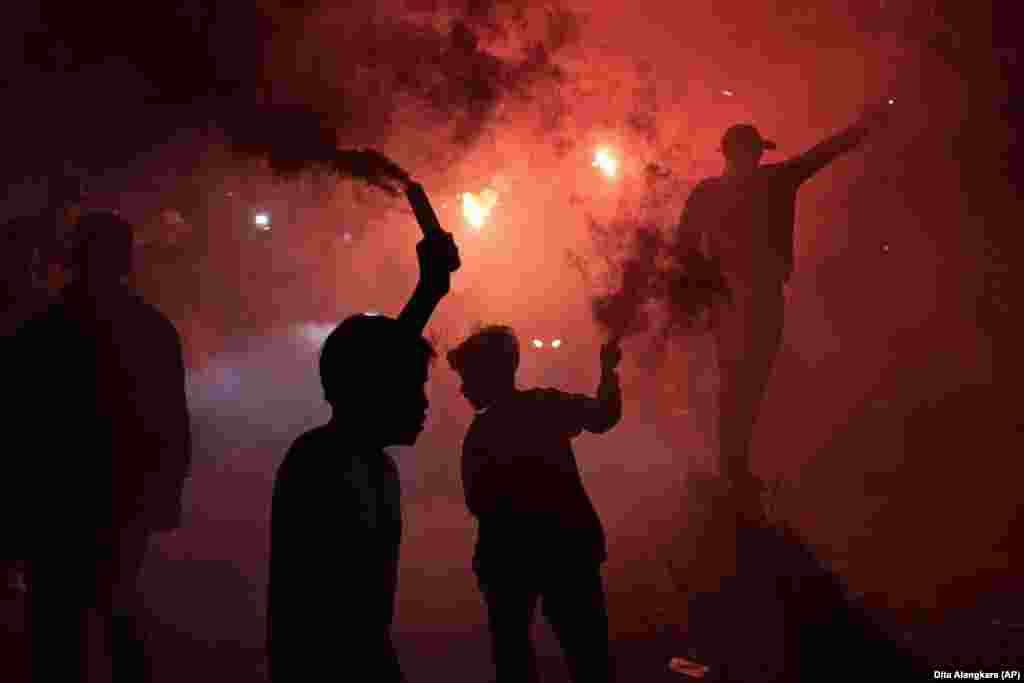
262, 220
556, 343
604, 160
538, 343
477, 208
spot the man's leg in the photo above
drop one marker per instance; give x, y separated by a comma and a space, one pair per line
748, 342
511, 601
120, 606
57, 616
574, 604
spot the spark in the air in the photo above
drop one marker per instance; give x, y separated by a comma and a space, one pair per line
606, 162
476, 209
538, 343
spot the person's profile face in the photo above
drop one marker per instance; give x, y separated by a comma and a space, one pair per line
405, 409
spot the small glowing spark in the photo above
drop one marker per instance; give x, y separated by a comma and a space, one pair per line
556, 343
372, 313
477, 208
604, 161
261, 220
728, 93
347, 237
538, 343
172, 216
891, 101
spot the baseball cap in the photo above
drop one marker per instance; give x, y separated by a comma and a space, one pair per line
745, 136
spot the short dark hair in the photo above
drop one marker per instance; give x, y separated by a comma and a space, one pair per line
367, 351
103, 244
490, 349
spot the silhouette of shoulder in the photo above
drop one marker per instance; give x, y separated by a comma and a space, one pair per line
321, 459
152, 314
303, 451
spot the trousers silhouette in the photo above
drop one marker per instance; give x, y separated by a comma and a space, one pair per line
747, 339
96, 571
573, 602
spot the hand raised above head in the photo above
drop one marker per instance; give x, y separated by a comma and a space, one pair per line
438, 257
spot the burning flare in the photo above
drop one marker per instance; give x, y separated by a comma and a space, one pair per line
477, 208
606, 162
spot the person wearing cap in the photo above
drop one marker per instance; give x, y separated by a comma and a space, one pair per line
744, 221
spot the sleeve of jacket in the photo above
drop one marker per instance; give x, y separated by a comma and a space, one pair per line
577, 412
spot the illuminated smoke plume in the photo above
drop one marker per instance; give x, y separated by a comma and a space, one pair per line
293, 141
356, 75
655, 280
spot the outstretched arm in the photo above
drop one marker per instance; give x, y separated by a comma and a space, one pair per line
826, 151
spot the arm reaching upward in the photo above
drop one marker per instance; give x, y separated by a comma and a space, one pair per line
826, 151
604, 412
438, 258
572, 413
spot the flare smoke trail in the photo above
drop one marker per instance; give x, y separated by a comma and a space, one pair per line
656, 280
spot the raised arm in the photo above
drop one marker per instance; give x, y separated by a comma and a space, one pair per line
604, 412
438, 258
826, 151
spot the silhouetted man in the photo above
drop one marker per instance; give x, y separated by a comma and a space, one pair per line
744, 219
336, 522
539, 535
101, 392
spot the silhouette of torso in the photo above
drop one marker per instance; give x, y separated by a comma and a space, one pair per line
751, 221
101, 391
336, 526
522, 483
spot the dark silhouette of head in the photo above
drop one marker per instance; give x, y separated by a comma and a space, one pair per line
487, 362
102, 249
374, 372
743, 147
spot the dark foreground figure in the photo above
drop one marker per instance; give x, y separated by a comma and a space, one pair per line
99, 389
539, 535
336, 522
